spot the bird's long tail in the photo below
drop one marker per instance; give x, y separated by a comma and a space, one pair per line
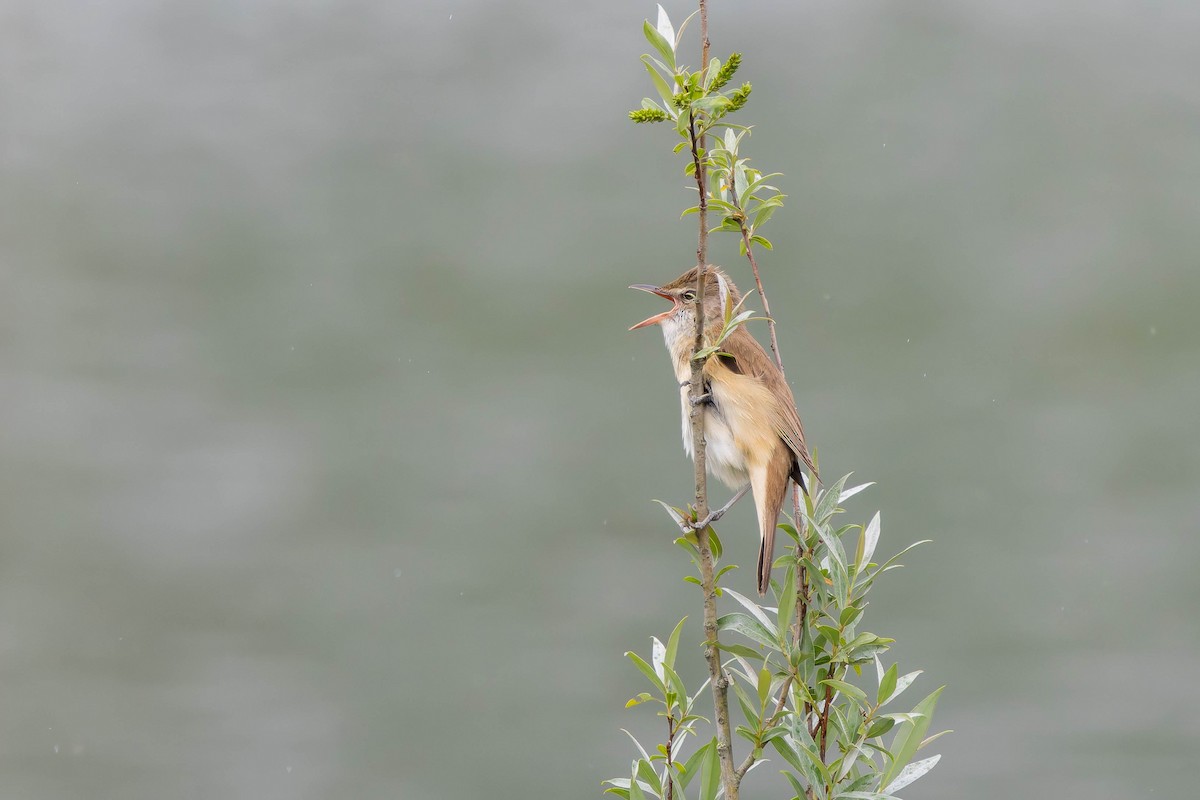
769, 494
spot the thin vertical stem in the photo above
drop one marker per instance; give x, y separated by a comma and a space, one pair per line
720, 684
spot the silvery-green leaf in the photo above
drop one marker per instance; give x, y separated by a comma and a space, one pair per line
660, 83
739, 180
853, 490
665, 49
664, 26
912, 772
870, 539
902, 683
658, 654
723, 288
753, 608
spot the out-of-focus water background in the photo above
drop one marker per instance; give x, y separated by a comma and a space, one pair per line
327, 459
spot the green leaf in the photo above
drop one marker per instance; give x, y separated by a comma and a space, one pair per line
848, 689
832, 635
760, 182
762, 215
902, 683
797, 786
710, 105
887, 685
635, 791
764, 686
827, 503
710, 773
787, 599
674, 512
908, 739
744, 701
641, 698
933, 738
747, 626
880, 726
675, 683
664, 88
665, 48
850, 615
755, 609
649, 776
673, 644
790, 755
647, 670
690, 768
762, 240
740, 650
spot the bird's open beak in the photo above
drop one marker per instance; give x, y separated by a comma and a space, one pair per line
645, 287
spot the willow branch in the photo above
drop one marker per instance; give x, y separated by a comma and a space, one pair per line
720, 684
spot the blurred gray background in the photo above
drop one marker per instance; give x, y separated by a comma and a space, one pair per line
327, 459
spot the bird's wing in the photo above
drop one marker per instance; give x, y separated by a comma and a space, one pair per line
747, 356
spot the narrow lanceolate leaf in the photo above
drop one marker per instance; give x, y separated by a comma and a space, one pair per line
829, 500
740, 650
755, 609
747, 626
853, 490
848, 689
637, 744
673, 644
666, 49
663, 26
664, 89
908, 738
787, 600
710, 773
647, 670
635, 791
887, 685
658, 654
764, 685
902, 683
691, 768
911, 772
675, 513
867, 542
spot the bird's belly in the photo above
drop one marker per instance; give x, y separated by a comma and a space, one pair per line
723, 457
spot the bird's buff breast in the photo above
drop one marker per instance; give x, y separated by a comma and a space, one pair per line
722, 456
730, 417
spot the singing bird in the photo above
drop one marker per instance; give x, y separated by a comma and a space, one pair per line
752, 431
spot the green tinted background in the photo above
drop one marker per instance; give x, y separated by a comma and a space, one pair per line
327, 459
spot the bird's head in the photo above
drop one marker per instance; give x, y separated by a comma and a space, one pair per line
682, 294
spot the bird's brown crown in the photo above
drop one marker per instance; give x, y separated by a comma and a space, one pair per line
712, 284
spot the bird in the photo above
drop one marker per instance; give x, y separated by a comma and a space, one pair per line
752, 429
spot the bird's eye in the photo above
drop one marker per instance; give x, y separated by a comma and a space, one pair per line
689, 295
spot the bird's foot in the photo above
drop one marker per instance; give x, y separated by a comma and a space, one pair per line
715, 516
